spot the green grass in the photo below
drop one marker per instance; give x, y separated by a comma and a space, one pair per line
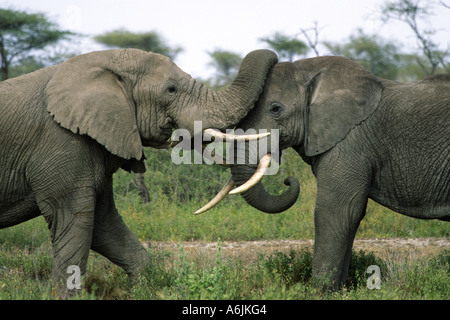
25, 274
176, 193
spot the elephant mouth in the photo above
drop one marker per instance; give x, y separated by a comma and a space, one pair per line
168, 126
163, 140
162, 144
166, 133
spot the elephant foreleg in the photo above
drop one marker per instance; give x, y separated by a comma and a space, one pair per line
114, 240
335, 231
340, 207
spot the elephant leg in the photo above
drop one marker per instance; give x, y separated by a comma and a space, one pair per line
340, 207
143, 191
71, 222
335, 231
114, 240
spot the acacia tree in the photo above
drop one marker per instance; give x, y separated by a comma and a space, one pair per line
372, 52
21, 33
227, 66
286, 47
411, 12
148, 41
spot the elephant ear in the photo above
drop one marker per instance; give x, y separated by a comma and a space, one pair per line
341, 94
87, 98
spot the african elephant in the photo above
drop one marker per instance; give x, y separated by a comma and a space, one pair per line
364, 137
65, 129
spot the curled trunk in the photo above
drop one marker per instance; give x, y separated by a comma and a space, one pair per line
225, 108
259, 198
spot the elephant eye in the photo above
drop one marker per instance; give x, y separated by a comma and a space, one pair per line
275, 108
172, 89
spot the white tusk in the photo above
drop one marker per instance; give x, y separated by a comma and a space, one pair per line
257, 176
222, 194
236, 137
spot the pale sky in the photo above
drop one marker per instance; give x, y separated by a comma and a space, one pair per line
201, 26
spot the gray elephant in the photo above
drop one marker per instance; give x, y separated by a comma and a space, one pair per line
364, 137
64, 131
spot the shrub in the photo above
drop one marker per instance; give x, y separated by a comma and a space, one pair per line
293, 267
357, 273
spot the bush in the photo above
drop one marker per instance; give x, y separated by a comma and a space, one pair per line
292, 268
297, 267
359, 263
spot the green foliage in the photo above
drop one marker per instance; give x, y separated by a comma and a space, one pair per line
25, 266
226, 64
292, 268
147, 41
296, 267
199, 283
21, 33
357, 272
25, 65
431, 60
374, 53
428, 278
286, 47
156, 277
25, 274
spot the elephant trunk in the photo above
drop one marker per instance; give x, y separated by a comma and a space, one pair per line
258, 197
225, 108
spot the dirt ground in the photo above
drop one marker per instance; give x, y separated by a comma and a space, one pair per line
395, 248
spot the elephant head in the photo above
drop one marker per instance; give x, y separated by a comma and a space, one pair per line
127, 98
313, 103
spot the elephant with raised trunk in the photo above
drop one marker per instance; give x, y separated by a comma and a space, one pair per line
65, 129
364, 137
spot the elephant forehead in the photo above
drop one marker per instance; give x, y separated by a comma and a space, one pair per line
275, 92
281, 80
169, 70
276, 86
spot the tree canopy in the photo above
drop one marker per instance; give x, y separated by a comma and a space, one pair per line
410, 12
227, 66
25, 40
148, 41
286, 47
21, 33
372, 52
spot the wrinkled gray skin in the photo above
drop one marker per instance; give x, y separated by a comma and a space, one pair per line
364, 137
64, 131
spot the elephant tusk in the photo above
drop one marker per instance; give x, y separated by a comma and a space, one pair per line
236, 137
257, 176
222, 194
226, 189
